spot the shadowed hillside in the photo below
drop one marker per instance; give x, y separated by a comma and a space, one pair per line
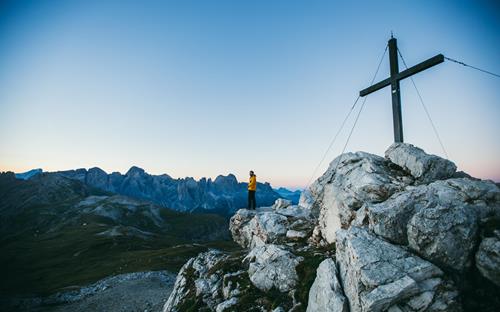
58, 232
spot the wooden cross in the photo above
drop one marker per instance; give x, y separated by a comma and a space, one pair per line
394, 79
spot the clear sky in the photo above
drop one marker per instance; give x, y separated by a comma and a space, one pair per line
201, 88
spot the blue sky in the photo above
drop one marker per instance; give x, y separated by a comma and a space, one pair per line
201, 88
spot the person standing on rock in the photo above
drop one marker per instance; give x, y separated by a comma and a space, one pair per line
252, 186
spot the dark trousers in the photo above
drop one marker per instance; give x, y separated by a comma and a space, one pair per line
251, 200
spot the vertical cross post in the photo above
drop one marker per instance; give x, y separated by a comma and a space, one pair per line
395, 90
393, 81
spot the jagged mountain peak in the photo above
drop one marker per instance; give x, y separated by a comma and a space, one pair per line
229, 179
28, 174
134, 170
223, 195
96, 170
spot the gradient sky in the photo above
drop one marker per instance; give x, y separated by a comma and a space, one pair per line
201, 88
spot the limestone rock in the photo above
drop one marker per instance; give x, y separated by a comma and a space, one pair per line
272, 266
446, 235
292, 234
423, 167
352, 180
306, 201
281, 203
193, 280
488, 258
226, 305
251, 228
377, 276
326, 293
439, 220
241, 230
401, 228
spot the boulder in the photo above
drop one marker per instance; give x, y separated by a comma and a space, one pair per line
488, 258
294, 235
390, 218
281, 203
272, 266
240, 228
445, 235
379, 276
439, 220
194, 280
250, 228
306, 201
423, 167
352, 180
277, 224
326, 293
226, 305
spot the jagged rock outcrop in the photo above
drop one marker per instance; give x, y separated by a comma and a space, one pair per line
488, 258
264, 278
272, 266
352, 180
278, 224
377, 275
281, 203
439, 221
306, 201
400, 233
215, 281
326, 294
423, 167
194, 279
250, 229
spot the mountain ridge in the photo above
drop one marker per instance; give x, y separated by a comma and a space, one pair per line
222, 195
56, 231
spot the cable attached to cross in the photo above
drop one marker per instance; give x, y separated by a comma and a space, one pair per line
393, 81
425, 108
344, 122
473, 67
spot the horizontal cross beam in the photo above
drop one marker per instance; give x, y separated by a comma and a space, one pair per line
404, 74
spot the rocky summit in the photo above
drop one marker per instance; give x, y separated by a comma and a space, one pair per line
404, 232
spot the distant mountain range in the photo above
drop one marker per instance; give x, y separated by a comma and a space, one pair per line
56, 232
224, 195
56, 228
294, 196
28, 174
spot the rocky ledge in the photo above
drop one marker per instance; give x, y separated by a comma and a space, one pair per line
404, 232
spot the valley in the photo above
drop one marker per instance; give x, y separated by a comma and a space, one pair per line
57, 234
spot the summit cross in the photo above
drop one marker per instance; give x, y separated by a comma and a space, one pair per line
393, 81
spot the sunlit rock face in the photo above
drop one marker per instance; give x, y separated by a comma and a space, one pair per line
272, 266
281, 223
326, 294
379, 276
423, 167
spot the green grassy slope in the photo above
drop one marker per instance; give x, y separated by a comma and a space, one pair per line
56, 233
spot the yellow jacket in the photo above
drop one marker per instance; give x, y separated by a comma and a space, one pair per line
252, 184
